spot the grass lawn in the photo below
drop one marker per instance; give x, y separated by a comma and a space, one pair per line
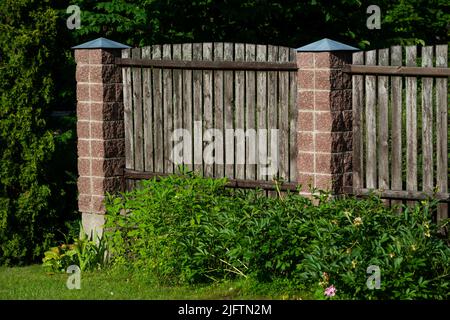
33, 282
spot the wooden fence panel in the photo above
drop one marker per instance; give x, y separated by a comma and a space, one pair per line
400, 162
219, 108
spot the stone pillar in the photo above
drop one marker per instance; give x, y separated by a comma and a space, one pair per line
324, 119
100, 130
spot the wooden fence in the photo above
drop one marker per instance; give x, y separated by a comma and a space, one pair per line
400, 124
219, 85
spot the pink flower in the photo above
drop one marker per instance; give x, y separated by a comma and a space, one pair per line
330, 291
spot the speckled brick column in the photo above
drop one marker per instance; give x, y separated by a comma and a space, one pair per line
100, 130
324, 121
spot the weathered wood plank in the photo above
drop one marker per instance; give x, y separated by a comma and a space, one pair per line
208, 121
283, 107
371, 124
396, 116
293, 111
128, 113
272, 108
383, 120
209, 65
357, 105
229, 111
239, 89
137, 114
403, 194
158, 112
168, 110
197, 109
411, 122
188, 155
148, 112
177, 93
132, 175
218, 112
250, 112
397, 71
442, 130
272, 116
427, 122
261, 109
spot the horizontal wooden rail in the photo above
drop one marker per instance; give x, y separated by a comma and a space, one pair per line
400, 194
207, 65
232, 183
396, 70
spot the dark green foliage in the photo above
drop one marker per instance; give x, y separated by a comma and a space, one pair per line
191, 229
28, 51
288, 22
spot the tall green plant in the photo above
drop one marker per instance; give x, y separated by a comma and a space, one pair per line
27, 54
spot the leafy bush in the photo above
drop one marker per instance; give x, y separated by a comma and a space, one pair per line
33, 197
191, 229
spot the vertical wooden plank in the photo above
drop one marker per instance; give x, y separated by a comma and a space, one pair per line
197, 110
283, 118
137, 111
148, 112
357, 106
128, 113
168, 110
442, 129
261, 109
293, 110
188, 156
371, 124
208, 101
158, 112
239, 89
250, 113
396, 131
272, 110
411, 123
427, 122
218, 111
177, 95
229, 110
383, 120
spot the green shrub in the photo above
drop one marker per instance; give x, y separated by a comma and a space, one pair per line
191, 229
33, 195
